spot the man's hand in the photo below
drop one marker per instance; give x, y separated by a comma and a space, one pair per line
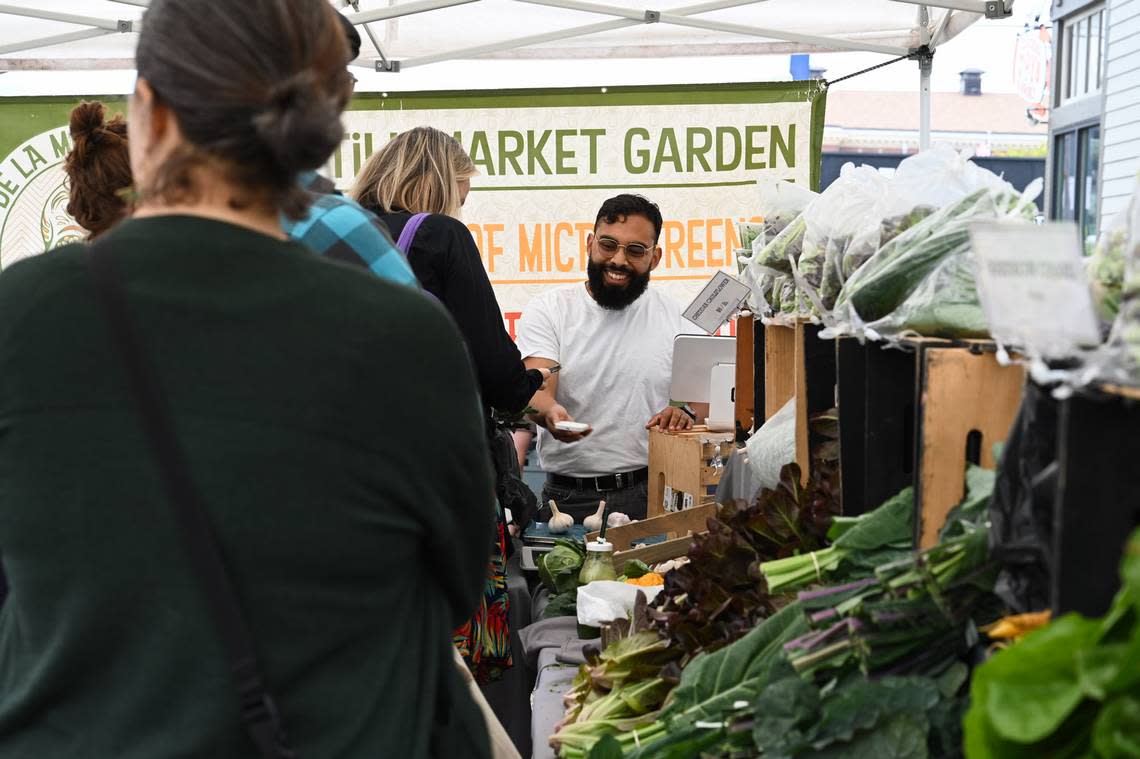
556, 414
549, 411
670, 418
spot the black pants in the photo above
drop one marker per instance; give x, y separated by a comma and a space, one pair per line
581, 503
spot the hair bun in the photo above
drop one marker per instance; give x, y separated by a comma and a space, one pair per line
299, 127
87, 119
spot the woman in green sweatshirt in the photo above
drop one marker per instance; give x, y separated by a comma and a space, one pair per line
302, 392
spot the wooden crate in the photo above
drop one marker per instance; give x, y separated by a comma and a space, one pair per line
678, 528
916, 416
746, 327
798, 364
1097, 504
680, 461
876, 389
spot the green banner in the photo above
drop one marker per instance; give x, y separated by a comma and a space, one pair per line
547, 159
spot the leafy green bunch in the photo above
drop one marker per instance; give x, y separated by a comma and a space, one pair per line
1069, 689
558, 570
868, 668
720, 595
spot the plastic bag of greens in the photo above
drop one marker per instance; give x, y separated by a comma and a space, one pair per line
1105, 267
785, 247
889, 277
932, 179
780, 204
1118, 360
775, 291
1125, 338
781, 293
831, 221
945, 304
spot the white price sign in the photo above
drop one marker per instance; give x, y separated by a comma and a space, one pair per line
1032, 284
717, 302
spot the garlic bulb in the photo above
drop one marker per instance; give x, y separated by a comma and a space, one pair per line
617, 519
559, 522
593, 523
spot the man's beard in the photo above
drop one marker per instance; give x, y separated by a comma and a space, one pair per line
609, 296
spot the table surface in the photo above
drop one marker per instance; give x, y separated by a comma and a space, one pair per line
554, 680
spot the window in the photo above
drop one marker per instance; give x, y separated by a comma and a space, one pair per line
1082, 55
1076, 177
1065, 179
1089, 150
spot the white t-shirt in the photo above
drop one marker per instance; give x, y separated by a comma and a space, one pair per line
616, 369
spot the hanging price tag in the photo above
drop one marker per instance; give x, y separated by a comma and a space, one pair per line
717, 302
1033, 288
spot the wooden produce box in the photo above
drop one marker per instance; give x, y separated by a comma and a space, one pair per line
746, 329
798, 364
916, 416
678, 528
682, 462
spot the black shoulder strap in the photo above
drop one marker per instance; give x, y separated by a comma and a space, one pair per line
258, 710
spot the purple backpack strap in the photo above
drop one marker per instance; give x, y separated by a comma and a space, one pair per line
409, 232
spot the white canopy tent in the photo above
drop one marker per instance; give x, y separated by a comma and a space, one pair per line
87, 46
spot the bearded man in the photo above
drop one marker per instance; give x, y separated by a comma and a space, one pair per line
612, 336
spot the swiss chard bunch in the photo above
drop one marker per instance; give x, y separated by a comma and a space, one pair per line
619, 688
858, 544
911, 615
719, 596
713, 689
608, 685
1069, 689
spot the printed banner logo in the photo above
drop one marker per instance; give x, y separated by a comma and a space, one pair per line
33, 198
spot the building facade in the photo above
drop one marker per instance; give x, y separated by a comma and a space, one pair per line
1094, 127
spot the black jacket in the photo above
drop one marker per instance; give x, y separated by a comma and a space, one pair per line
446, 261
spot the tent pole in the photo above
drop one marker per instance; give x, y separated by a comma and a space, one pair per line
55, 39
925, 65
66, 18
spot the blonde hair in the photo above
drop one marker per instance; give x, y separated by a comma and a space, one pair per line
418, 171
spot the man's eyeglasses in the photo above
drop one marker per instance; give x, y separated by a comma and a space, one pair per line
634, 251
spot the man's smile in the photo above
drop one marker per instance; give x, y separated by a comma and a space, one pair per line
615, 276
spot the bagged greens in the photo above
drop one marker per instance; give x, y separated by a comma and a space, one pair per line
895, 278
1105, 267
945, 304
1124, 341
865, 245
780, 204
922, 183
831, 221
